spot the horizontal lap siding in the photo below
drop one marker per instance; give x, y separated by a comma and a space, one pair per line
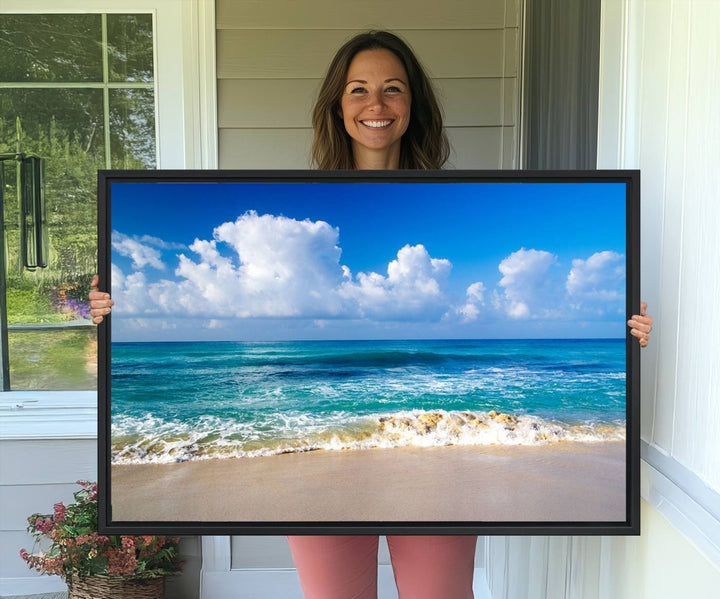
471, 147
271, 59
287, 103
304, 54
34, 475
334, 14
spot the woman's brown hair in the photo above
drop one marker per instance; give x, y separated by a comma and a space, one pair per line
424, 144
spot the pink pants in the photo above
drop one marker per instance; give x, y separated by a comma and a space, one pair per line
345, 567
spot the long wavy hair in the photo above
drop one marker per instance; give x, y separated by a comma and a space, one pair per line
423, 146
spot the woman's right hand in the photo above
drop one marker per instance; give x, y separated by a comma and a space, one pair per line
100, 302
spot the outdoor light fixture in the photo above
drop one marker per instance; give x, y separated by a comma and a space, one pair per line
34, 247
33, 223
33, 235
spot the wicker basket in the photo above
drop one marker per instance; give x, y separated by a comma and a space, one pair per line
116, 587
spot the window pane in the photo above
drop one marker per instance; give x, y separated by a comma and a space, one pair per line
50, 48
132, 128
52, 344
49, 117
130, 47
56, 359
65, 127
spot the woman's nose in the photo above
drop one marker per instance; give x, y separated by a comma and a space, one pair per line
375, 99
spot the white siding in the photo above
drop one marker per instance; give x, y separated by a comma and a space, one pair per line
671, 132
34, 475
660, 84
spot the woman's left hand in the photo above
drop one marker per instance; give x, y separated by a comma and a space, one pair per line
641, 325
100, 302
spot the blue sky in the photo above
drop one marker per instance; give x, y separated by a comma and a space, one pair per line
501, 260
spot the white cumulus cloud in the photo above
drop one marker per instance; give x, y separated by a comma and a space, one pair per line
278, 266
130, 293
597, 281
527, 288
475, 294
413, 287
161, 243
141, 254
274, 266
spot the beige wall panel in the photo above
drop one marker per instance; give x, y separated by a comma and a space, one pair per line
352, 14
474, 147
511, 109
265, 148
510, 147
305, 54
266, 102
277, 103
471, 147
471, 102
512, 13
512, 52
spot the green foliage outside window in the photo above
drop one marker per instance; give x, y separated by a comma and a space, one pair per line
81, 88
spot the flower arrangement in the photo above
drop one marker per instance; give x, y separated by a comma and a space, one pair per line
77, 551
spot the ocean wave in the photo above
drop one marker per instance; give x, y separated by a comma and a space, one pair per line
155, 440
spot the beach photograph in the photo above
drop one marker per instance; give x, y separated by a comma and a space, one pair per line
368, 352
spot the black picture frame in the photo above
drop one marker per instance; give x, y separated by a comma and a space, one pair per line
629, 525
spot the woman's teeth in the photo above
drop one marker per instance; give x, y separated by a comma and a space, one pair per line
376, 124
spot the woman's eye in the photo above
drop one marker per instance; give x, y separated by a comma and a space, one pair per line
357, 90
393, 89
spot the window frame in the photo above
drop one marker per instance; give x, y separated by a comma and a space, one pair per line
184, 32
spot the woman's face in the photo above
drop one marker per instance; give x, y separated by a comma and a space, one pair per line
375, 103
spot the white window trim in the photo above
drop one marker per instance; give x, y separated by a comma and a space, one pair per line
185, 79
186, 125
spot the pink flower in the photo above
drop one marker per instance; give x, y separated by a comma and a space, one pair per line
121, 562
44, 526
24, 555
59, 509
128, 543
53, 565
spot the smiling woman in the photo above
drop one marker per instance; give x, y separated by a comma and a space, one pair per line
389, 127
363, 116
375, 108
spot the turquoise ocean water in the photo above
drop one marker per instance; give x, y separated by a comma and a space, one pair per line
198, 400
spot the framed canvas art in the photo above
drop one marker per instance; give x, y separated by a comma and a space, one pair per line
389, 352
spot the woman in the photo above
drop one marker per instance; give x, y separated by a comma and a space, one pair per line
377, 110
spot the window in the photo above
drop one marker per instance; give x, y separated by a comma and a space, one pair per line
78, 91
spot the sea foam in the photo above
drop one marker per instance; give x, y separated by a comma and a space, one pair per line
158, 441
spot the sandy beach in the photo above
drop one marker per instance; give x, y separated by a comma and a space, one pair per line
566, 481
